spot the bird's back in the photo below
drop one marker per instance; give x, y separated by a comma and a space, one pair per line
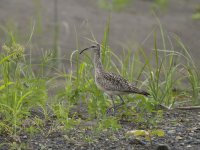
114, 84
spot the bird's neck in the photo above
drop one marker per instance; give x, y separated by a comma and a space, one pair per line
97, 61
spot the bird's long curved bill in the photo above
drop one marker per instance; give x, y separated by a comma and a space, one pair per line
86, 49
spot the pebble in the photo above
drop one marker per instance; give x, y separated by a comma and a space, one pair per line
179, 138
188, 146
188, 142
182, 144
191, 134
171, 132
24, 137
196, 142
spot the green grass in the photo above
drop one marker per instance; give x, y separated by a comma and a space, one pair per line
196, 15
161, 71
119, 5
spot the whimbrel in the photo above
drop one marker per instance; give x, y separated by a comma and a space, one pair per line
112, 84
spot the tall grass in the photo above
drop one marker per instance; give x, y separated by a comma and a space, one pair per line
160, 72
20, 91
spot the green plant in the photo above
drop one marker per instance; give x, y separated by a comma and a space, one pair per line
147, 134
118, 5
196, 15
191, 72
163, 4
113, 5
108, 123
19, 91
61, 112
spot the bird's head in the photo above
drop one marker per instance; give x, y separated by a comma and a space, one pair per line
93, 47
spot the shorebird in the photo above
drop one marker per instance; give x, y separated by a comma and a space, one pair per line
112, 84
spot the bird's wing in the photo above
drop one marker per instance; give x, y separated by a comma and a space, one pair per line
114, 82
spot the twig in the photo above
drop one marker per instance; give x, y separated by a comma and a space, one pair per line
180, 108
187, 107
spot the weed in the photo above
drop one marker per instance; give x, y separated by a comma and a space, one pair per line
147, 134
109, 123
196, 15
19, 91
114, 5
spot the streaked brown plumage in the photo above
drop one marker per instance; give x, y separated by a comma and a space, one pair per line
112, 84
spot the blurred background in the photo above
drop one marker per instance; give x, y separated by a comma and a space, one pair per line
66, 25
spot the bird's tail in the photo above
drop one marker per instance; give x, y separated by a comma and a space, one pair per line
144, 93
138, 91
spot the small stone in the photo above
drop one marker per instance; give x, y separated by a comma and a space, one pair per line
196, 142
182, 144
137, 141
191, 134
24, 137
162, 147
171, 132
194, 128
188, 146
187, 120
189, 142
179, 138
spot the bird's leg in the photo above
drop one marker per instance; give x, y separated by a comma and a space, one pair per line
113, 107
122, 101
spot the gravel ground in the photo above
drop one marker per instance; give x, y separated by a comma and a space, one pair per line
182, 132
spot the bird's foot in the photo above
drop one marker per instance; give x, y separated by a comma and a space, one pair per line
112, 110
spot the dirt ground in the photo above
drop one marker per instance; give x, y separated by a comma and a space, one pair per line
182, 132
